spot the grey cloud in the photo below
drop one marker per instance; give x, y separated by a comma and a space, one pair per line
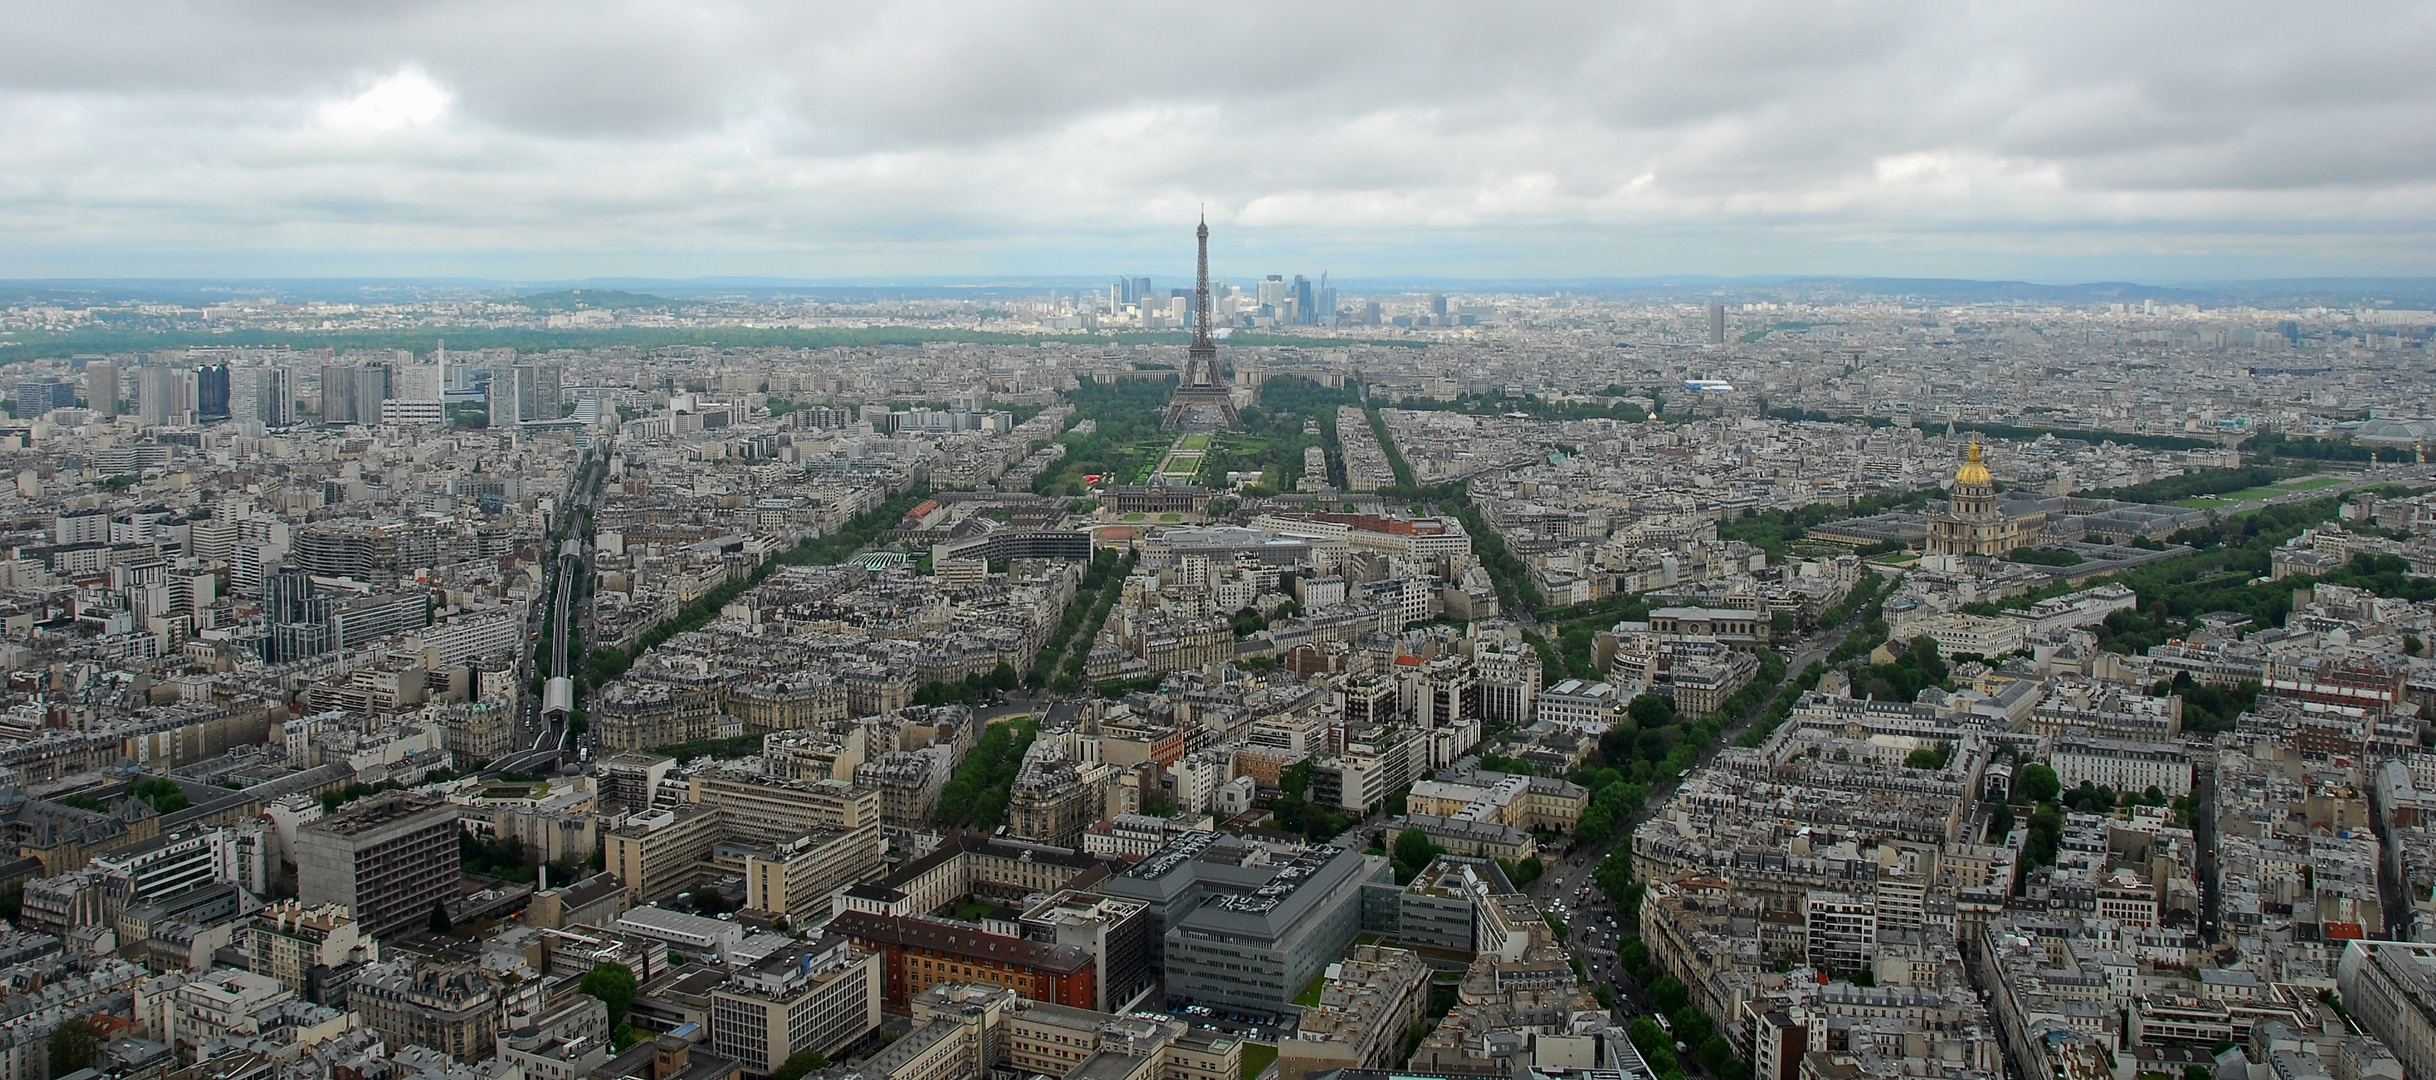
1415, 132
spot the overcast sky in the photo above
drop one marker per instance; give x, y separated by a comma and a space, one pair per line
2048, 141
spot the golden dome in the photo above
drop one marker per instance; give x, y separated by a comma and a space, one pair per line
1972, 472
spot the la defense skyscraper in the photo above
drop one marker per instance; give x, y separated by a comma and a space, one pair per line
1202, 398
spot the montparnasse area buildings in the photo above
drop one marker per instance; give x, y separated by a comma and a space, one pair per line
1270, 677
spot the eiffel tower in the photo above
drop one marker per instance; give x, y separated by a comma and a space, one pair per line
1202, 391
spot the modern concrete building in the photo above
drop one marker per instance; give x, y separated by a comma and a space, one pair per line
1249, 933
819, 998
695, 934
389, 859
629, 779
798, 877
1116, 932
761, 810
658, 852
1442, 907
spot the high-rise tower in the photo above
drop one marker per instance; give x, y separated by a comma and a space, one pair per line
1200, 391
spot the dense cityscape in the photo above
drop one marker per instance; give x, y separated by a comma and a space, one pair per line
1242, 682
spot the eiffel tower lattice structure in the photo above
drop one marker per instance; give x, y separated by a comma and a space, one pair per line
1202, 399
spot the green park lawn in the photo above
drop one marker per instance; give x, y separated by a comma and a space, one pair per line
2246, 494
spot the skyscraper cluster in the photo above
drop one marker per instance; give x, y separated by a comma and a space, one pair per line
1275, 300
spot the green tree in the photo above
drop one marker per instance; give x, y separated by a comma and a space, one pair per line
1930, 757
1669, 994
606, 663
2036, 783
614, 984
798, 1064
2046, 832
1594, 826
74, 1045
1715, 1052
439, 917
1650, 710
1413, 851
162, 793
2000, 821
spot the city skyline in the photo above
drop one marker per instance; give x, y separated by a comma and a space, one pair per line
509, 143
1634, 541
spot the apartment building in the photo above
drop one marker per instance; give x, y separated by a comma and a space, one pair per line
450, 1008
766, 811
658, 852
388, 859
1367, 1003
819, 998
301, 946
920, 953
797, 877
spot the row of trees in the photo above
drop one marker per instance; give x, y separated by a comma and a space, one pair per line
1863, 598
1075, 668
2314, 448
2194, 484
1615, 797
977, 796
1536, 407
975, 688
1774, 531
1101, 586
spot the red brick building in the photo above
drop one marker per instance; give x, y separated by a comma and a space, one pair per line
919, 953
